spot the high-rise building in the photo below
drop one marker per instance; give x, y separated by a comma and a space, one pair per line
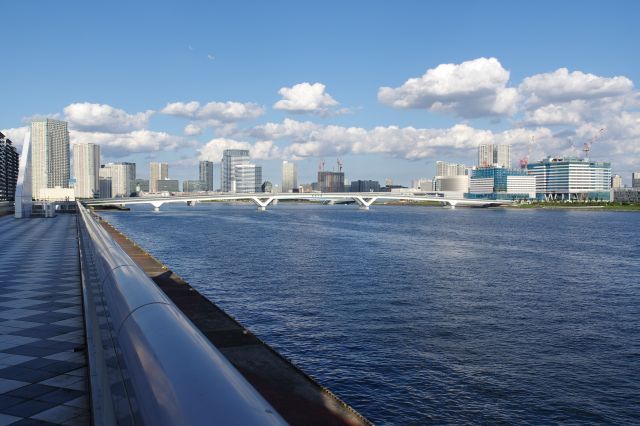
86, 170
122, 177
616, 181
450, 169
289, 176
247, 178
230, 159
105, 186
635, 180
498, 155
502, 156
571, 178
9, 162
49, 155
157, 171
330, 181
206, 174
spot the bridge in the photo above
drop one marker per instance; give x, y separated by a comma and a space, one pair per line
262, 200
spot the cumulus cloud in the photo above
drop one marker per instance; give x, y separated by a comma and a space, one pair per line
104, 118
564, 86
261, 150
122, 144
306, 98
222, 112
475, 88
16, 135
308, 139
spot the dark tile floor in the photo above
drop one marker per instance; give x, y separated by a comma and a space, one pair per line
43, 374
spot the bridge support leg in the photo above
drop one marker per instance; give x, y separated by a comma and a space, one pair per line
453, 204
363, 203
156, 206
262, 204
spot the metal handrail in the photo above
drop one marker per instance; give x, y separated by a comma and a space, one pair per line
174, 373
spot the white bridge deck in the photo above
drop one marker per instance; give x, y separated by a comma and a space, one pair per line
262, 200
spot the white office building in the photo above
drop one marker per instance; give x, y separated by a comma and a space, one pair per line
86, 170
230, 159
444, 168
50, 161
571, 178
247, 178
289, 176
157, 171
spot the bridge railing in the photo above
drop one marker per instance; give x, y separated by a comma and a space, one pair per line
148, 364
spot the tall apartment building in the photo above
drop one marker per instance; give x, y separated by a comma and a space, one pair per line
635, 180
86, 170
571, 178
247, 178
122, 177
616, 182
450, 169
157, 171
289, 176
494, 155
206, 174
230, 159
50, 159
9, 162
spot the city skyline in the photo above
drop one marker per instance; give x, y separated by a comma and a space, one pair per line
417, 95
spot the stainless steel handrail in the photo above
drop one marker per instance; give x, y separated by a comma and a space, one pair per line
174, 373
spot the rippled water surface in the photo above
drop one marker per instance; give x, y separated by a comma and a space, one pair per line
420, 315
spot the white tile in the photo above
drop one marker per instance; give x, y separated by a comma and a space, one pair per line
14, 360
72, 338
7, 385
71, 322
62, 381
67, 356
70, 310
8, 341
25, 294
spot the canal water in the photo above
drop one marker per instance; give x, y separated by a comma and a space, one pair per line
419, 315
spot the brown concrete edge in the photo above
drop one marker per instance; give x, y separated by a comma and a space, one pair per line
298, 397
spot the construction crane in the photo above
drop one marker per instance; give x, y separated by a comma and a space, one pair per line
321, 166
524, 162
587, 145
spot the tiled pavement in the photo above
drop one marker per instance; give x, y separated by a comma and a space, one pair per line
43, 378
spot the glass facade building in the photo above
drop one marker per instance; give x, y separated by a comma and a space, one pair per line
230, 159
206, 175
365, 186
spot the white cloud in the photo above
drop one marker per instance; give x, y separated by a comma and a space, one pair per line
104, 118
16, 135
564, 86
192, 129
122, 144
553, 115
261, 150
308, 139
471, 89
305, 98
219, 112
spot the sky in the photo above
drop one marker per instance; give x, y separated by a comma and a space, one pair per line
389, 88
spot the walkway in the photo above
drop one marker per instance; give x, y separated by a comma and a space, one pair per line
43, 378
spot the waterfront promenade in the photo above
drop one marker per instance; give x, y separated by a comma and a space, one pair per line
43, 375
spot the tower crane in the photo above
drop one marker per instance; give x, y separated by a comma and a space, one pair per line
587, 145
524, 162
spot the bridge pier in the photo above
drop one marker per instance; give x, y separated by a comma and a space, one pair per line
262, 205
156, 206
364, 203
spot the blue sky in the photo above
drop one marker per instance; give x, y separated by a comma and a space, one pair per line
302, 80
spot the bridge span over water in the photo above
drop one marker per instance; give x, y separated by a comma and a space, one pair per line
262, 200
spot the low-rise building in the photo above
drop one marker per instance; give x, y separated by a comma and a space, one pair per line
365, 186
168, 185
501, 183
194, 186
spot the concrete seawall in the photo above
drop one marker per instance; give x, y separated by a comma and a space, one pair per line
298, 398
